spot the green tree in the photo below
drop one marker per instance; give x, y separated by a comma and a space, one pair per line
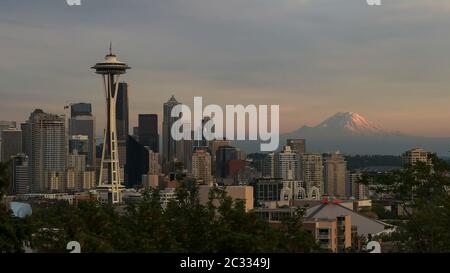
4, 179
235, 230
297, 238
12, 231
422, 192
184, 225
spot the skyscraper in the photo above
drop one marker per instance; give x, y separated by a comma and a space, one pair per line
11, 144
148, 131
223, 155
47, 149
20, 179
136, 165
122, 111
298, 146
182, 156
311, 173
26, 138
286, 164
153, 163
110, 184
169, 144
141, 161
3, 126
151, 178
184, 152
82, 123
268, 168
335, 175
122, 121
213, 147
201, 166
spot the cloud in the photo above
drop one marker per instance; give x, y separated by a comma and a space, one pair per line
311, 57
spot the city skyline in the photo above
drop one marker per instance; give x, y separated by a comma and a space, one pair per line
225, 128
395, 74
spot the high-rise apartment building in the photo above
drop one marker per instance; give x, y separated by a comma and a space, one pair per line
311, 173
201, 166
48, 148
286, 164
413, 156
335, 175
298, 146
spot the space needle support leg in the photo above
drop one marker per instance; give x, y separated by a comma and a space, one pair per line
114, 161
100, 179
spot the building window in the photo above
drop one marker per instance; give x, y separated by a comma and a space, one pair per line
324, 231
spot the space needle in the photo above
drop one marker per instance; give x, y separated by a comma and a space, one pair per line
110, 183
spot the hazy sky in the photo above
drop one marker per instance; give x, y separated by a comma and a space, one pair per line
313, 57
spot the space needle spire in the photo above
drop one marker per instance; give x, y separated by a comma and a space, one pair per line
110, 181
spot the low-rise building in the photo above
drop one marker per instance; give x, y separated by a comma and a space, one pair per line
244, 193
331, 210
332, 234
415, 155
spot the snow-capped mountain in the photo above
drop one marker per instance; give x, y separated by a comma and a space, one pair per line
346, 124
351, 133
353, 122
